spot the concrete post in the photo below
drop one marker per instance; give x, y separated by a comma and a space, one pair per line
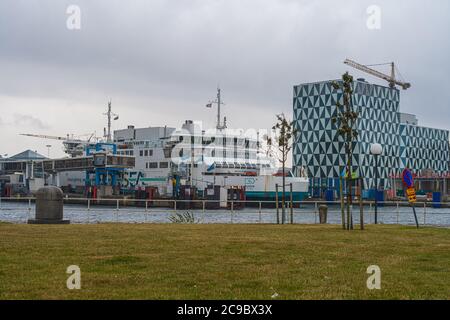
323, 210
49, 206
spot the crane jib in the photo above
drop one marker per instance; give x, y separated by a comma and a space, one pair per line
391, 79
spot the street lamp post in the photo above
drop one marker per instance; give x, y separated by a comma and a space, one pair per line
48, 150
376, 149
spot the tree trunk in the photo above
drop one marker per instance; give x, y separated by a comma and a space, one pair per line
283, 197
351, 185
361, 205
349, 182
341, 191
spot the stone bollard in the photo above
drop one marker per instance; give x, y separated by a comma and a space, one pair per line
323, 211
49, 206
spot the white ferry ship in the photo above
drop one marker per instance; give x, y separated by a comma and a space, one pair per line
202, 158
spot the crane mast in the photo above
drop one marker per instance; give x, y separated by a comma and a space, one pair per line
391, 79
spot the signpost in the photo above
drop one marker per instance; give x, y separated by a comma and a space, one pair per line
408, 181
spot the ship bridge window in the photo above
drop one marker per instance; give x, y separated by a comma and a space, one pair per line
163, 165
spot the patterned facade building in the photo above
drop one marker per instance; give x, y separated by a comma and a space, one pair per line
319, 150
424, 148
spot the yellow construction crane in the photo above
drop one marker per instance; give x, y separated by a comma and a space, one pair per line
391, 79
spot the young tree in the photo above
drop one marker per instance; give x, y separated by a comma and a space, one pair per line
283, 133
345, 120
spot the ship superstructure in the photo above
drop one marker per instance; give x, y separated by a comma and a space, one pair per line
201, 157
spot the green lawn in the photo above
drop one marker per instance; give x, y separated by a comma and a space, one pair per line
222, 261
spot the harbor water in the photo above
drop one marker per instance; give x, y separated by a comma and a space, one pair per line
20, 212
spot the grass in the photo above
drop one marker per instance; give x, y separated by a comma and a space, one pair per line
126, 261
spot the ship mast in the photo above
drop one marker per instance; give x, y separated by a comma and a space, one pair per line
109, 114
218, 101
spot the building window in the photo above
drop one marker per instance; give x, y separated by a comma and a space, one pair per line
146, 153
150, 153
163, 165
153, 165
141, 153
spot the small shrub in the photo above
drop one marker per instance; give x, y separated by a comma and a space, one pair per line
182, 218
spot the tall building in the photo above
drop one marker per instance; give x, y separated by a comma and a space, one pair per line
319, 150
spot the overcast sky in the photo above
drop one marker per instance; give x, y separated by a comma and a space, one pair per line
161, 61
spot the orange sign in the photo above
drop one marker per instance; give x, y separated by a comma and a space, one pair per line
411, 193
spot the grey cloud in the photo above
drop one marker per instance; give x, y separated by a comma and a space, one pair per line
176, 52
29, 121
